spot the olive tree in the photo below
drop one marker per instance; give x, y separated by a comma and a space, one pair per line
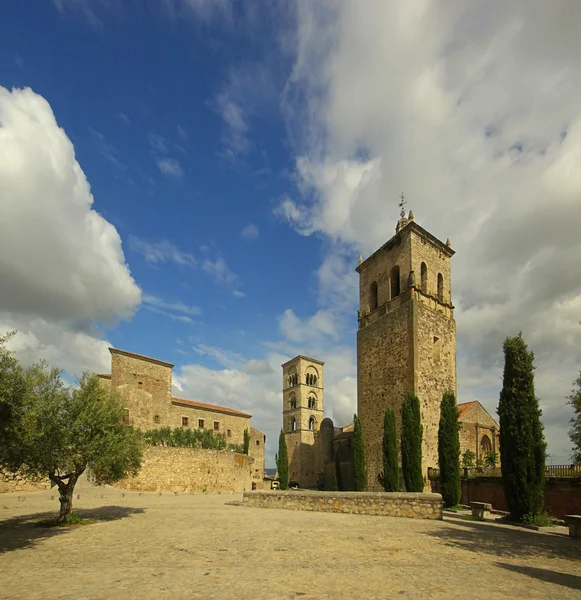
60, 433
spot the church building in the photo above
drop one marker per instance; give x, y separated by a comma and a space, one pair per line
406, 342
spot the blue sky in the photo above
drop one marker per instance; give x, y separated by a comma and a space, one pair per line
223, 164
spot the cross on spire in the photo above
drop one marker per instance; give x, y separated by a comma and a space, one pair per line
401, 205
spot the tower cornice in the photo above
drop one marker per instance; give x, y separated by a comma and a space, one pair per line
411, 226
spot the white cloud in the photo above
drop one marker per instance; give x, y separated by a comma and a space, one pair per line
249, 232
472, 110
182, 133
219, 271
245, 95
169, 308
158, 143
156, 253
170, 167
107, 150
61, 264
161, 252
59, 259
239, 294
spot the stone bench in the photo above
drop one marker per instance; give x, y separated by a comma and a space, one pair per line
481, 510
574, 522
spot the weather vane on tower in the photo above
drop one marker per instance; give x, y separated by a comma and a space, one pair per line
401, 205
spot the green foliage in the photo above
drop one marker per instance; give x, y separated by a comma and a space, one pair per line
542, 519
236, 448
282, 461
522, 443
390, 457
491, 459
11, 391
61, 432
411, 444
182, 437
575, 431
468, 459
449, 451
338, 475
359, 456
334, 481
246, 441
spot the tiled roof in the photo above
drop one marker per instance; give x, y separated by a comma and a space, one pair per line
465, 407
350, 427
104, 375
212, 407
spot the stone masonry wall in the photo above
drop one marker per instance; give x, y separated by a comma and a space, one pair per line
146, 387
256, 451
235, 424
414, 505
434, 369
191, 469
384, 375
474, 425
17, 482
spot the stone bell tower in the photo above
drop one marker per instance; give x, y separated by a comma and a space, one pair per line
302, 414
406, 339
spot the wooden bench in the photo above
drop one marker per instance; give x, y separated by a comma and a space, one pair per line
481, 510
574, 522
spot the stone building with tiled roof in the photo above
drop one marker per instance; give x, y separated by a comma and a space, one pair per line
145, 384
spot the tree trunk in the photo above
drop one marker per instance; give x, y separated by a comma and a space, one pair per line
66, 500
66, 490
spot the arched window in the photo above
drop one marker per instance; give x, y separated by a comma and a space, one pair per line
424, 278
440, 287
394, 281
485, 446
373, 296
312, 424
293, 424
293, 402
314, 380
312, 402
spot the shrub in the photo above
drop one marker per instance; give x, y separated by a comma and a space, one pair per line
468, 459
390, 457
411, 444
338, 475
282, 461
449, 451
522, 443
358, 456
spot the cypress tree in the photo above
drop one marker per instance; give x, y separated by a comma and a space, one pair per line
390, 458
449, 450
522, 442
575, 431
282, 461
246, 441
338, 479
411, 444
358, 456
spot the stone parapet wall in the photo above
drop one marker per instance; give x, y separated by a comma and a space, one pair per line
17, 482
395, 504
191, 470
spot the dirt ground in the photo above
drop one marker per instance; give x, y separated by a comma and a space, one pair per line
151, 546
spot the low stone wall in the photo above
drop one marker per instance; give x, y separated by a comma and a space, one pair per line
17, 482
392, 504
191, 470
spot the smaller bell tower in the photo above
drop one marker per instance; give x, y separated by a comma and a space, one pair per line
302, 413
